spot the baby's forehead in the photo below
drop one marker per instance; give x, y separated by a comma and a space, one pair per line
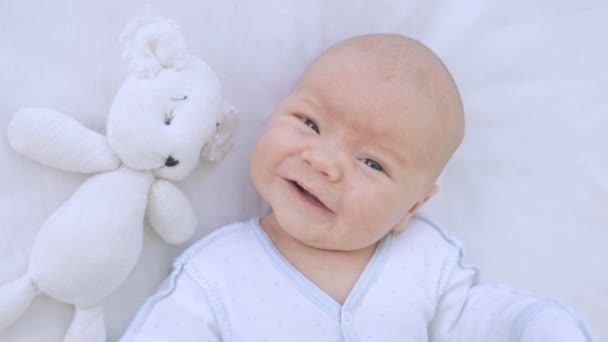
404, 66
388, 53
350, 81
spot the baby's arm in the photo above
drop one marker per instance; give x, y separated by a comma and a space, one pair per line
500, 314
180, 311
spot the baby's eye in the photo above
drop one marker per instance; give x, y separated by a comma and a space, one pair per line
373, 164
311, 124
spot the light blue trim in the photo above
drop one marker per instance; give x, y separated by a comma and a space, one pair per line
528, 314
219, 312
314, 293
447, 271
203, 243
369, 275
452, 242
183, 264
533, 310
367, 278
149, 304
178, 268
303, 284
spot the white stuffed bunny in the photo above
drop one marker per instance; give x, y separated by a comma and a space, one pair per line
167, 113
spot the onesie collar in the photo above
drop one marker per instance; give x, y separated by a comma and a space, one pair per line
312, 291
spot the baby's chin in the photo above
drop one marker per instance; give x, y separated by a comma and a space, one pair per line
326, 241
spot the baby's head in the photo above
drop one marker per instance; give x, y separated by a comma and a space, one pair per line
356, 148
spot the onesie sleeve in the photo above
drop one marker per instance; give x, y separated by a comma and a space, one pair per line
468, 312
501, 314
181, 310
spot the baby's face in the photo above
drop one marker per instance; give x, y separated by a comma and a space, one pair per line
342, 160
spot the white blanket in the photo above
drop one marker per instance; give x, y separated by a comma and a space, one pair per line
527, 192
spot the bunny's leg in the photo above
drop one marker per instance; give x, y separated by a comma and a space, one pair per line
15, 297
170, 212
88, 325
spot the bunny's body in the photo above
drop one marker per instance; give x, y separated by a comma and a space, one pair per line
73, 252
166, 115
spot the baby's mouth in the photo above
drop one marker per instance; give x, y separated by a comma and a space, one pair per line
309, 195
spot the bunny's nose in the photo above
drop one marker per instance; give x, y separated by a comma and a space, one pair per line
170, 162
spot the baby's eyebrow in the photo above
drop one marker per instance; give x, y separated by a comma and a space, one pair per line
392, 152
308, 101
179, 98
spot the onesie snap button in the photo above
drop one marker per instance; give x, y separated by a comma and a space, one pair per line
347, 318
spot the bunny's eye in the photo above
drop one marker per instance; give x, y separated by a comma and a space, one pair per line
169, 117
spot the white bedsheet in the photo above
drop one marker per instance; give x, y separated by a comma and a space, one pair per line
527, 192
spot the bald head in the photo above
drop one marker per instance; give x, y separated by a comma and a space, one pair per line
410, 65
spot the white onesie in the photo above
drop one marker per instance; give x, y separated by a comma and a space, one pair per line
234, 285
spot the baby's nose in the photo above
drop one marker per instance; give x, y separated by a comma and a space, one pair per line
170, 162
323, 162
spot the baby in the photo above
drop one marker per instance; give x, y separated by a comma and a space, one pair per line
345, 162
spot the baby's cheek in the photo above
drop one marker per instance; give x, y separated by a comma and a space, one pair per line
274, 138
384, 208
363, 203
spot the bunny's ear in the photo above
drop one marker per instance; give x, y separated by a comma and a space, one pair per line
221, 142
151, 44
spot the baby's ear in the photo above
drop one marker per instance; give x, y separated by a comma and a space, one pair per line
403, 223
221, 142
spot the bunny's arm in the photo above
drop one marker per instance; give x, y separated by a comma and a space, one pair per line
170, 212
55, 139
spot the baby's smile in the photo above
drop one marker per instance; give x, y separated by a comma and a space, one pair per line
308, 196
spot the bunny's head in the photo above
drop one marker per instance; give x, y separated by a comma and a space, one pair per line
169, 111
